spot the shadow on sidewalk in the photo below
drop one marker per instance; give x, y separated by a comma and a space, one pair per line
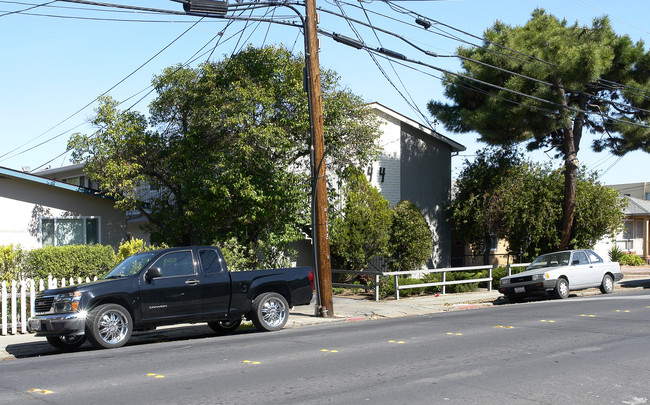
635, 283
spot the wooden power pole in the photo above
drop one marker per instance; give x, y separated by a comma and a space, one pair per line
321, 234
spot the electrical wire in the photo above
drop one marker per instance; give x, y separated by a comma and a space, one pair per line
27, 9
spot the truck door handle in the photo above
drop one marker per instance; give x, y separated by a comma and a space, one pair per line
192, 281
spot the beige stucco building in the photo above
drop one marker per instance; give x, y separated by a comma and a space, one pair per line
36, 211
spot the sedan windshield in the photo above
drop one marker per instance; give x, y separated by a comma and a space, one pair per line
551, 260
131, 265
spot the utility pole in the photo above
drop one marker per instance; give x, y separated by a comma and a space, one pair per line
321, 234
323, 266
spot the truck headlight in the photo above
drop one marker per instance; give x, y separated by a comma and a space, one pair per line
67, 302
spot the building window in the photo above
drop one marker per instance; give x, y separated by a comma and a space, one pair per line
70, 231
633, 230
77, 181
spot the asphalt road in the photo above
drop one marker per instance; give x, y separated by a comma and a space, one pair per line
591, 350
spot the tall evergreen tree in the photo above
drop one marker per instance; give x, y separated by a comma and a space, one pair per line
548, 83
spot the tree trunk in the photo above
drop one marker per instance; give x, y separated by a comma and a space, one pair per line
572, 135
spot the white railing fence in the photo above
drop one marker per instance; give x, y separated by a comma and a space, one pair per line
418, 273
18, 298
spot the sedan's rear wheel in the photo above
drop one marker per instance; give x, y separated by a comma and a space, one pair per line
562, 289
607, 286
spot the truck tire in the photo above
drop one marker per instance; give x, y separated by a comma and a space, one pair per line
270, 312
66, 343
109, 326
225, 327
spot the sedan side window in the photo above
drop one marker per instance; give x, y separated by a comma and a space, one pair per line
593, 257
176, 264
579, 258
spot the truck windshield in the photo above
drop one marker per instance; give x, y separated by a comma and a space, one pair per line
551, 260
131, 265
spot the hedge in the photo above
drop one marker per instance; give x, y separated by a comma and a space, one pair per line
69, 261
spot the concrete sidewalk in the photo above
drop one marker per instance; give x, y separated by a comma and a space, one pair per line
346, 310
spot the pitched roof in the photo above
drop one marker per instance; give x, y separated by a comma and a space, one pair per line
637, 207
6, 172
455, 146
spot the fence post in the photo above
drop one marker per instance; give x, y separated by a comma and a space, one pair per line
509, 270
3, 295
396, 287
376, 287
49, 282
32, 296
23, 306
490, 276
444, 280
14, 315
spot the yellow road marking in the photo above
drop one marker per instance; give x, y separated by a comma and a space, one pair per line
40, 391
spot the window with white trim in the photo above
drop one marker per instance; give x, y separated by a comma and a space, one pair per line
70, 231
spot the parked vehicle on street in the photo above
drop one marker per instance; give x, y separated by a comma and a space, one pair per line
168, 286
558, 273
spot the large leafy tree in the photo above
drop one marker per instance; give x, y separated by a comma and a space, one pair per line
475, 194
523, 205
528, 203
225, 150
583, 80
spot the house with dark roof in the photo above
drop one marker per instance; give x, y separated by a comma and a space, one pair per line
37, 211
415, 165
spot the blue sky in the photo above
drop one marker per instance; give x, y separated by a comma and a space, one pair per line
53, 67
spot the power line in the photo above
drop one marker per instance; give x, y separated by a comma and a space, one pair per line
96, 98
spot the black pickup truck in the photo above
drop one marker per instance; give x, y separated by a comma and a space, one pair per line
168, 286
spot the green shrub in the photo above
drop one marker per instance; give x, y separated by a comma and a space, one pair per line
616, 254
11, 262
630, 260
464, 275
410, 238
131, 247
387, 285
497, 275
69, 261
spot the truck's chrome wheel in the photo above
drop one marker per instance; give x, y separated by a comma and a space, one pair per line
270, 312
113, 327
109, 326
273, 312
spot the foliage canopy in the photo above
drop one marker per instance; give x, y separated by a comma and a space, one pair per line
225, 150
583, 79
524, 206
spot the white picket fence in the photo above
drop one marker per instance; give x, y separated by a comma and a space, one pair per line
18, 297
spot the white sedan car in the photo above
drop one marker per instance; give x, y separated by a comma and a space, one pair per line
559, 273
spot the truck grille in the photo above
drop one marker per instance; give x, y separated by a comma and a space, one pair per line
43, 304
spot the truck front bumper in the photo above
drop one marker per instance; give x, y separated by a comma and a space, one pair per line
58, 324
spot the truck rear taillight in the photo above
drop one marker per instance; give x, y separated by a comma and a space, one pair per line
311, 279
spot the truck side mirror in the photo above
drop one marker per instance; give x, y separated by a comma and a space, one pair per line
152, 273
